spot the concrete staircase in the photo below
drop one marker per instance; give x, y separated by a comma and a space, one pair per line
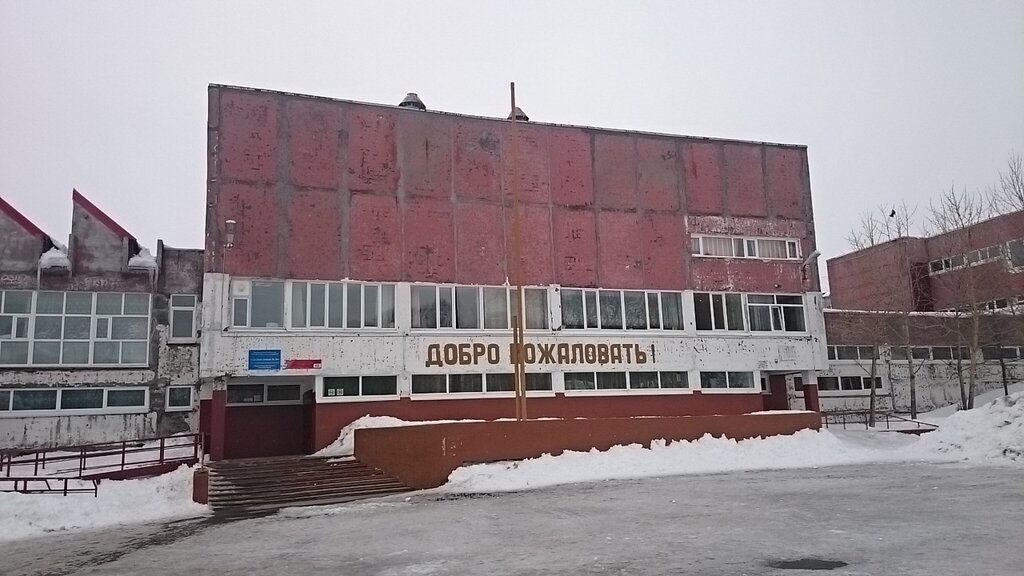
253, 485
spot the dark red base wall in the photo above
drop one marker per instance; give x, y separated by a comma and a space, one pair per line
329, 419
258, 431
424, 456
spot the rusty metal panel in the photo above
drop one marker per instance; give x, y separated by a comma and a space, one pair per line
535, 244
533, 163
720, 274
314, 235
702, 174
658, 182
575, 246
621, 250
665, 251
785, 180
314, 129
615, 171
375, 238
572, 177
480, 239
254, 208
429, 241
371, 150
425, 153
477, 160
248, 136
744, 175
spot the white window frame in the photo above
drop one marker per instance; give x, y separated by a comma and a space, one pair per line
755, 387
172, 308
776, 311
596, 292
191, 396
510, 298
58, 411
744, 329
750, 246
321, 396
629, 389
302, 390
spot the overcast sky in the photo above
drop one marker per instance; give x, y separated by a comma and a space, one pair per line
896, 101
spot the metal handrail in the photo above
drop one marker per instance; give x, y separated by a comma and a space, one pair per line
22, 485
845, 417
39, 459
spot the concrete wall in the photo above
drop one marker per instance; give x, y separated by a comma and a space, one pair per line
21, 242
325, 189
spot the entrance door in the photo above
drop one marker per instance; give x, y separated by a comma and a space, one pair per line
265, 418
777, 398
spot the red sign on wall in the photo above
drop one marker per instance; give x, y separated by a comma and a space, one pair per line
303, 364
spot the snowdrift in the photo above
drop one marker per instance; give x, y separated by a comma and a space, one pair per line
992, 433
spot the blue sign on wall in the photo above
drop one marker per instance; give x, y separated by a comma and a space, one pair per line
264, 359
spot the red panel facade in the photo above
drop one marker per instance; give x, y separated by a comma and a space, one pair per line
371, 150
665, 265
248, 136
314, 235
313, 134
744, 176
535, 226
254, 208
481, 241
375, 238
575, 246
425, 154
572, 180
657, 174
615, 171
532, 165
786, 181
477, 160
429, 241
620, 250
720, 274
702, 173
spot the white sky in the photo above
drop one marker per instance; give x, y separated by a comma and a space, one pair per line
896, 101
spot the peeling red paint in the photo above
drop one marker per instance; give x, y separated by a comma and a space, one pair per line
536, 245
665, 251
425, 153
314, 235
786, 183
477, 160
533, 164
575, 244
572, 180
371, 151
313, 134
481, 244
429, 241
744, 175
254, 208
615, 171
375, 238
658, 185
737, 275
621, 263
702, 171
248, 136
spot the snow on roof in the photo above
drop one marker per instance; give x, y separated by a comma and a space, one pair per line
54, 258
144, 259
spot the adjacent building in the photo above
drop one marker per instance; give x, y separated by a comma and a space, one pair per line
359, 261
98, 339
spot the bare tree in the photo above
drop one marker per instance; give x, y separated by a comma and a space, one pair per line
883, 224
1008, 195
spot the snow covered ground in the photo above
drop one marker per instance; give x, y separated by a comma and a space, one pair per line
992, 434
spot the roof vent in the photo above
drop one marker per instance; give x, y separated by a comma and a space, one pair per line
519, 114
411, 100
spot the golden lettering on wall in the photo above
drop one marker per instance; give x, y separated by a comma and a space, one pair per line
564, 353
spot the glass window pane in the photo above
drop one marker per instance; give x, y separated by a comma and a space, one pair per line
179, 397
46, 353
48, 327
760, 299
136, 304
444, 306
78, 303
387, 306
126, 398
793, 316
846, 352
6, 327
572, 309
866, 352
183, 301
495, 308
642, 380
380, 385
831, 352
75, 353
77, 327
240, 315
81, 398
298, 304
592, 308
635, 305
737, 247
760, 318
898, 353
424, 306
828, 383
538, 381
701, 311
370, 305
13, 352
318, 305
181, 323
245, 393
106, 352
134, 352
851, 383
734, 311
50, 303
267, 305
717, 246
21, 327
501, 383
129, 328
465, 383
34, 400
536, 308
611, 309
674, 380
653, 310
353, 305
580, 381
283, 392
109, 304
467, 307
341, 386
718, 311
796, 300
428, 384
5, 400
17, 302
611, 380
741, 379
713, 380
336, 306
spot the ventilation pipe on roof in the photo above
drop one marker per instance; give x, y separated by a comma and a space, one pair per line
411, 100
519, 114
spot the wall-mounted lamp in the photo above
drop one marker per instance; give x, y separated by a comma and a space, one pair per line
807, 262
229, 233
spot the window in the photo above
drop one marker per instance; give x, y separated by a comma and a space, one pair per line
81, 400
718, 311
828, 383
618, 309
179, 398
867, 382
535, 381
727, 380
739, 247
360, 386
319, 305
470, 307
183, 318
851, 383
942, 353
776, 312
575, 381
1015, 251
996, 353
266, 307
275, 393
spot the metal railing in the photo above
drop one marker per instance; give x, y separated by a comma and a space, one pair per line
859, 418
49, 485
92, 460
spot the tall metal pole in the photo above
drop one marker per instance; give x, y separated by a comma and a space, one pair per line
518, 319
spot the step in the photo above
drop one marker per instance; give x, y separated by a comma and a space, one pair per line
339, 485
271, 476
295, 499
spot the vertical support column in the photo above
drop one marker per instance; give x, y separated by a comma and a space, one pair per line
218, 424
811, 401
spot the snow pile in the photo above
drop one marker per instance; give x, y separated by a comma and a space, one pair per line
345, 445
993, 433
144, 259
805, 449
118, 502
54, 258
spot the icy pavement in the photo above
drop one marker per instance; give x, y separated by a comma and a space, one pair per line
880, 519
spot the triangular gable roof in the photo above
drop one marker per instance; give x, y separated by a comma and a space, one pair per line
20, 219
98, 214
